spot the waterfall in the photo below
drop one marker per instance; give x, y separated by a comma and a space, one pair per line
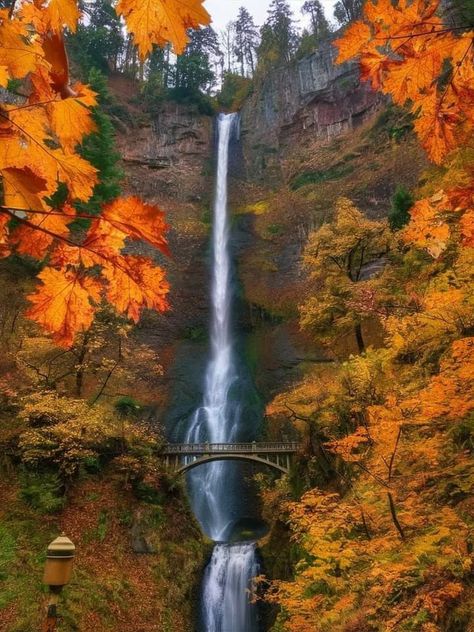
227, 580
216, 488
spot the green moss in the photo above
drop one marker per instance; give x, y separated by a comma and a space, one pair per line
316, 177
275, 229
197, 333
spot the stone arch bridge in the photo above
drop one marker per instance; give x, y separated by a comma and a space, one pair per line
182, 457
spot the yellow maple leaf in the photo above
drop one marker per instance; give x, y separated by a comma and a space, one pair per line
23, 189
19, 52
427, 229
58, 14
161, 21
70, 121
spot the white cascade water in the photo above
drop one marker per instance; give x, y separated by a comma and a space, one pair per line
228, 578
214, 488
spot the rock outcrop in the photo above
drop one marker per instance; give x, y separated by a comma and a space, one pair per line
176, 145
311, 98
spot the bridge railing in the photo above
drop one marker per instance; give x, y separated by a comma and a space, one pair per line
236, 448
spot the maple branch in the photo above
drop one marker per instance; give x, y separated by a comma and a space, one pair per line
365, 525
393, 513
32, 105
412, 35
51, 213
296, 416
62, 238
102, 389
46, 231
374, 476
390, 465
456, 71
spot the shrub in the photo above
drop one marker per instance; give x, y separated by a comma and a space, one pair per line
42, 492
402, 201
67, 435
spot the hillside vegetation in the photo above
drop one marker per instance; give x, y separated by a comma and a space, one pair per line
380, 509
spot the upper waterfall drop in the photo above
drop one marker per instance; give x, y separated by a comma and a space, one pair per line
217, 420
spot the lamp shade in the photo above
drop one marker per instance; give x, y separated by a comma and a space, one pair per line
59, 561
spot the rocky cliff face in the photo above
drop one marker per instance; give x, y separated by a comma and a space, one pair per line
167, 159
169, 153
312, 97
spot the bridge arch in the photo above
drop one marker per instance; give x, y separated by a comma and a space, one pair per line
231, 457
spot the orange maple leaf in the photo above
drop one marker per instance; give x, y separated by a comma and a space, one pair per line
64, 304
58, 14
404, 49
20, 53
22, 189
4, 76
134, 284
162, 21
138, 220
435, 125
353, 42
36, 237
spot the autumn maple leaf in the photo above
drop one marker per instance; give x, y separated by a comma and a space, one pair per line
138, 220
134, 284
404, 49
162, 21
63, 304
39, 139
427, 228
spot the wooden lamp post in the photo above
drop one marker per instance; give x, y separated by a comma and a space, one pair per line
57, 573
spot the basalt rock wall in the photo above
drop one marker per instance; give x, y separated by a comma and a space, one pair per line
310, 98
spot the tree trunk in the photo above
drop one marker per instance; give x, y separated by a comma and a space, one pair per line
80, 365
359, 338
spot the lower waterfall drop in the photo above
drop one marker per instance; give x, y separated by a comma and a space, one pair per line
225, 602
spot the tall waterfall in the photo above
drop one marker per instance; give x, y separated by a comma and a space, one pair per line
216, 488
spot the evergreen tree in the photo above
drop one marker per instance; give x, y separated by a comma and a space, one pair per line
194, 73
99, 41
319, 24
346, 11
246, 41
402, 201
99, 148
279, 38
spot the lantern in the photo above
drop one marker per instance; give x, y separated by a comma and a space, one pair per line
59, 561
